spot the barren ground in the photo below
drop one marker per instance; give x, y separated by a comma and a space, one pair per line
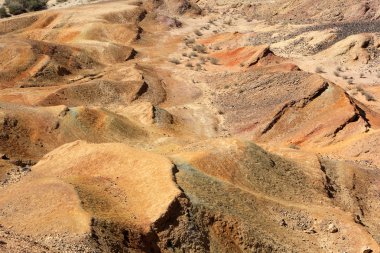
177, 126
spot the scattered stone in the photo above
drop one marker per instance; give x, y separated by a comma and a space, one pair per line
332, 228
310, 231
367, 250
4, 157
283, 223
358, 220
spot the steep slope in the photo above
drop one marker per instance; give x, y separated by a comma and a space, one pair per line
94, 185
238, 181
115, 198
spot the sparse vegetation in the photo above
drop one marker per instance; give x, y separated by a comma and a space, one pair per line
227, 22
319, 70
294, 146
214, 61
189, 41
3, 12
198, 33
369, 97
362, 75
200, 49
336, 73
15, 8
175, 61
193, 54
206, 27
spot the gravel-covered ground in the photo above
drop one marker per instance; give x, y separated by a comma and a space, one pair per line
343, 30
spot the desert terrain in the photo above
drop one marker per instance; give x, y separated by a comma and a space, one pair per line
191, 126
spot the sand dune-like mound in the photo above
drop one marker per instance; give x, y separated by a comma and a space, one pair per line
30, 132
57, 44
41, 61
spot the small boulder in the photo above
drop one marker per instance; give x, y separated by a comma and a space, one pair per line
332, 228
4, 157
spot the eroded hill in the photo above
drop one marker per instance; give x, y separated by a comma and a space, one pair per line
175, 126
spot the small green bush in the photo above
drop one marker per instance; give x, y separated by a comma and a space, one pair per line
200, 49
228, 22
17, 7
189, 40
193, 54
198, 33
36, 5
3, 12
319, 70
368, 97
214, 61
175, 61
